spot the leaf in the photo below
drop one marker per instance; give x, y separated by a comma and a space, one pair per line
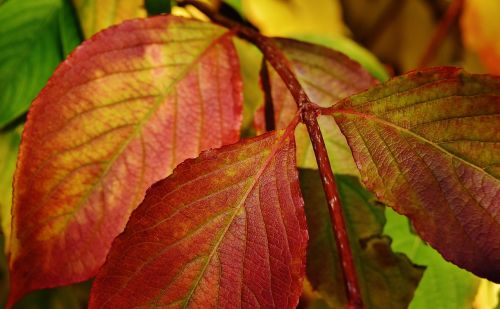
30, 46
236, 5
96, 15
250, 59
292, 17
488, 295
443, 285
480, 31
327, 76
226, 229
351, 49
68, 26
9, 144
117, 116
427, 144
387, 280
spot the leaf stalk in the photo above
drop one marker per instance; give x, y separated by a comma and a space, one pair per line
309, 114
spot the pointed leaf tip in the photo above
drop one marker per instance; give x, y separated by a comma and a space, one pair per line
427, 143
123, 110
226, 229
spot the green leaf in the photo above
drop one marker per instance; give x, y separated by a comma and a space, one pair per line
250, 62
443, 285
387, 279
68, 26
236, 4
30, 50
9, 145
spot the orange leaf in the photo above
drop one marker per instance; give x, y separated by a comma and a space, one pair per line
481, 30
225, 230
118, 115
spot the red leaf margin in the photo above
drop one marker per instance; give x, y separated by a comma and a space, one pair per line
123, 281
33, 269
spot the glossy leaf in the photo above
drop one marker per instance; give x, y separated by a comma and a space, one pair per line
226, 229
30, 49
443, 285
116, 117
327, 76
427, 144
387, 280
9, 145
96, 15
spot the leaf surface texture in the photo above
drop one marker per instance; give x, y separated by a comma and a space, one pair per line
226, 229
118, 115
427, 143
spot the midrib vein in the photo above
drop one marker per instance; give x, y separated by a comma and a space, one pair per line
237, 209
383, 122
139, 126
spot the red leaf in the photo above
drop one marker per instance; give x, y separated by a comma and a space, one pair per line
325, 74
225, 230
124, 109
427, 143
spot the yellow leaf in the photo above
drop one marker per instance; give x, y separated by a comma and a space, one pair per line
481, 31
487, 295
96, 15
292, 17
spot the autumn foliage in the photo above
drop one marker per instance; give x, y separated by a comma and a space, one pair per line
132, 170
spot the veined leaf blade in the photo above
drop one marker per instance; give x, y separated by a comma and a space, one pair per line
116, 117
226, 229
427, 143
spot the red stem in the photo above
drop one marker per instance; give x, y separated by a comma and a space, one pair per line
309, 113
442, 29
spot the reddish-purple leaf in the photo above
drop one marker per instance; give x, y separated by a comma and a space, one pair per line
428, 144
118, 115
327, 76
225, 230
